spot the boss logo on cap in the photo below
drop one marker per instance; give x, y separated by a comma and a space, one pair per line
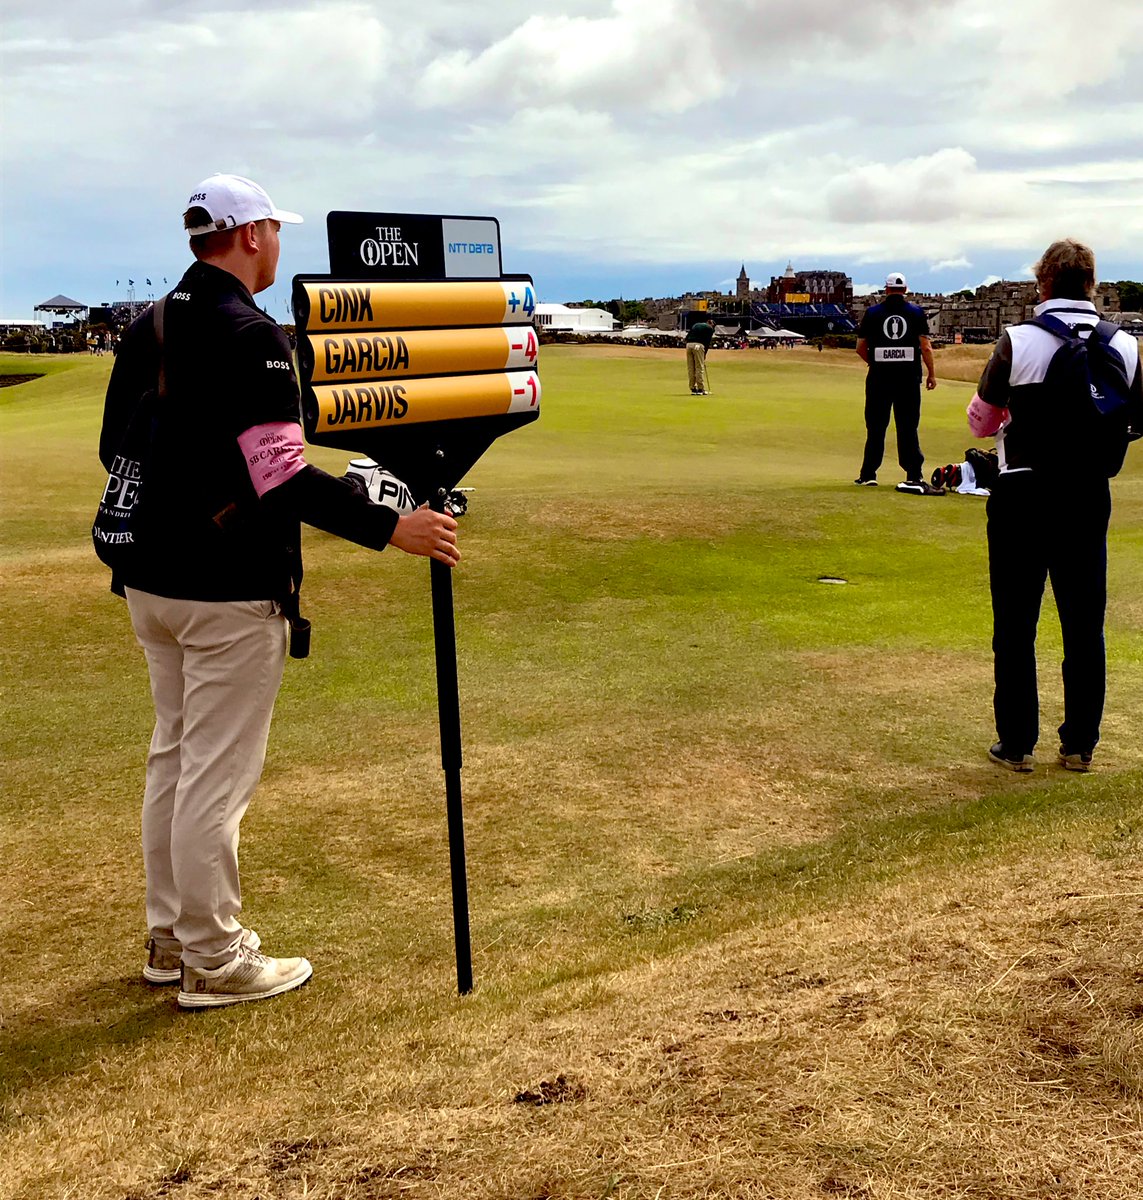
197, 197
275, 364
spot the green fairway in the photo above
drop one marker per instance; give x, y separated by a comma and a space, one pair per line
741, 873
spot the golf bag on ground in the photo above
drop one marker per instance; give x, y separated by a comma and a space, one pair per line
979, 471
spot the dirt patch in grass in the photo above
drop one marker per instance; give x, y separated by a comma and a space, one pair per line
560, 1090
16, 380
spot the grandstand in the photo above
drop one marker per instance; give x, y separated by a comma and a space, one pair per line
808, 319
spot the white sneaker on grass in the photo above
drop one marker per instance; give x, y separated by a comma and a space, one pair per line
920, 487
164, 963
251, 975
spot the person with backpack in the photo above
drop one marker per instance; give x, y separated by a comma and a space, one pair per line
893, 340
200, 523
1063, 395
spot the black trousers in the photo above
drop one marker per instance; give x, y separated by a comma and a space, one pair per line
1036, 532
902, 400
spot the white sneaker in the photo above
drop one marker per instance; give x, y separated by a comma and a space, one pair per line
164, 964
920, 487
250, 975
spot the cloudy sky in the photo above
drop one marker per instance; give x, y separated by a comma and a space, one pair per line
629, 147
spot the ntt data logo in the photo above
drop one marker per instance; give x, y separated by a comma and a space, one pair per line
471, 247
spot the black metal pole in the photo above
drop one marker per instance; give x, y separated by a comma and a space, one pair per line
448, 710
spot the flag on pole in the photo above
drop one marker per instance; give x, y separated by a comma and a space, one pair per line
130, 282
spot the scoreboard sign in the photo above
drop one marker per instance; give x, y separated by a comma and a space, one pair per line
405, 359
418, 351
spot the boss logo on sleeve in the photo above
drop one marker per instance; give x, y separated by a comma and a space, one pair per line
274, 364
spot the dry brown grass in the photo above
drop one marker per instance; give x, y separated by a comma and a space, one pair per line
954, 1037
961, 362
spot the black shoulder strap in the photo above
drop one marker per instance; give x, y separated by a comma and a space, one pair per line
1105, 331
1101, 332
1054, 326
157, 315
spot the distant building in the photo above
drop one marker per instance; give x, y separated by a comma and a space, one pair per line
812, 303
810, 287
982, 315
562, 318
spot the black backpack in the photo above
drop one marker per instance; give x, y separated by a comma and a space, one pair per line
1085, 399
985, 466
115, 531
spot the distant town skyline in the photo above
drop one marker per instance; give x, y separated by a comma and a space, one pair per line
628, 282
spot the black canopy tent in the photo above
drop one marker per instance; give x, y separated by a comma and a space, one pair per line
61, 306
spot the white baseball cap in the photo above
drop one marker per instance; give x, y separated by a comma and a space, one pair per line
895, 280
234, 200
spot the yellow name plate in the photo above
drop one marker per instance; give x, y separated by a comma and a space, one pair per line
414, 401
334, 307
398, 355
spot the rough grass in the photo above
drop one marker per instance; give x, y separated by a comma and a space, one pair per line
752, 914
961, 362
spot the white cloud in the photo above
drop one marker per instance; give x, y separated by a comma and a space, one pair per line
191, 86
950, 264
924, 190
593, 62
657, 55
1049, 51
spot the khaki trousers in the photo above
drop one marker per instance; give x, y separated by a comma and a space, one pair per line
215, 670
696, 367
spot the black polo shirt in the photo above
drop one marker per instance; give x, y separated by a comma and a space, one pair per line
703, 333
892, 331
205, 533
